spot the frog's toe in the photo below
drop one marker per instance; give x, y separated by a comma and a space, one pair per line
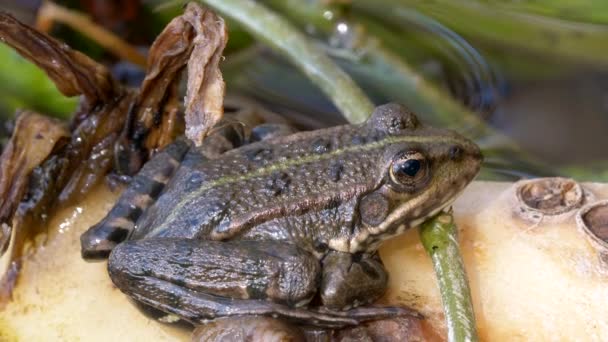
371, 313
97, 243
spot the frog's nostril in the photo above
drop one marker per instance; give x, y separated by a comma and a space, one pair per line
455, 152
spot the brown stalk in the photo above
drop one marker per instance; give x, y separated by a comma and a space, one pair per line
49, 12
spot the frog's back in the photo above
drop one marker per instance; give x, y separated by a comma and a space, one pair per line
246, 186
348, 188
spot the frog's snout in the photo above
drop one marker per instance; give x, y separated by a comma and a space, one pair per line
476, 154
476, 158
467, 157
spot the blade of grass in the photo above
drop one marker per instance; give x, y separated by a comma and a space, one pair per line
376, 61
282, 36
24, 85
440, 241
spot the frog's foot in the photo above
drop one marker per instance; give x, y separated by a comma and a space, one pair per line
372, 313
98, 241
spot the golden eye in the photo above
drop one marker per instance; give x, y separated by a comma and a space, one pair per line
409, 169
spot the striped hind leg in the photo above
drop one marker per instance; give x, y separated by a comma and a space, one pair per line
99, 240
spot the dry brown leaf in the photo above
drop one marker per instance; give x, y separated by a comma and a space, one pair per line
43, 167
72, 72
206, 88
34, 139
157, 102
196, 39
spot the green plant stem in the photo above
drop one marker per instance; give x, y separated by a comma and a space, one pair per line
439, 238
396, 79
405, 83
278, 33
24, 85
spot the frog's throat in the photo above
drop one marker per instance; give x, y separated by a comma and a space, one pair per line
282, 165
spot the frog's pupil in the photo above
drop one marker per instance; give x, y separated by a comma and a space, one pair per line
410, 167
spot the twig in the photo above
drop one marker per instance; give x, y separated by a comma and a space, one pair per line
50, 12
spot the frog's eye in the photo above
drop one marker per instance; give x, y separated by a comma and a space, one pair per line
409, 169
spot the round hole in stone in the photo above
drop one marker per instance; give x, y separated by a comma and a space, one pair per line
550, 196
594, 221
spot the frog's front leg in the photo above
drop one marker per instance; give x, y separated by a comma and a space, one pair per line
199, 280
351, 280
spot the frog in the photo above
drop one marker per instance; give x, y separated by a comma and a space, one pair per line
287, 226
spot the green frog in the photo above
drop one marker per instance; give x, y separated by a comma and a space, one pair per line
286, 226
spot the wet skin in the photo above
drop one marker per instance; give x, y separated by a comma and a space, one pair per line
288, 226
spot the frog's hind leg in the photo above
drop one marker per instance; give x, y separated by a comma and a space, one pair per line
144, 189
199, 280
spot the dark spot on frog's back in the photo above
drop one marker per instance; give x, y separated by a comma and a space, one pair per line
358, 140
393, 119
277, 183
321, 146
335, 171
260, 155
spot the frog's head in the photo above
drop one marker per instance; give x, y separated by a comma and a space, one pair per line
421, 170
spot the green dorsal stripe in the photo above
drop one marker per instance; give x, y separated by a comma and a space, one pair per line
317, 157
278, 166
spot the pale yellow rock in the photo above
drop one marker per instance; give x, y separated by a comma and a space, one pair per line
531, 281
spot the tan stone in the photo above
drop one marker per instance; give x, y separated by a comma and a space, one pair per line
535, 280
